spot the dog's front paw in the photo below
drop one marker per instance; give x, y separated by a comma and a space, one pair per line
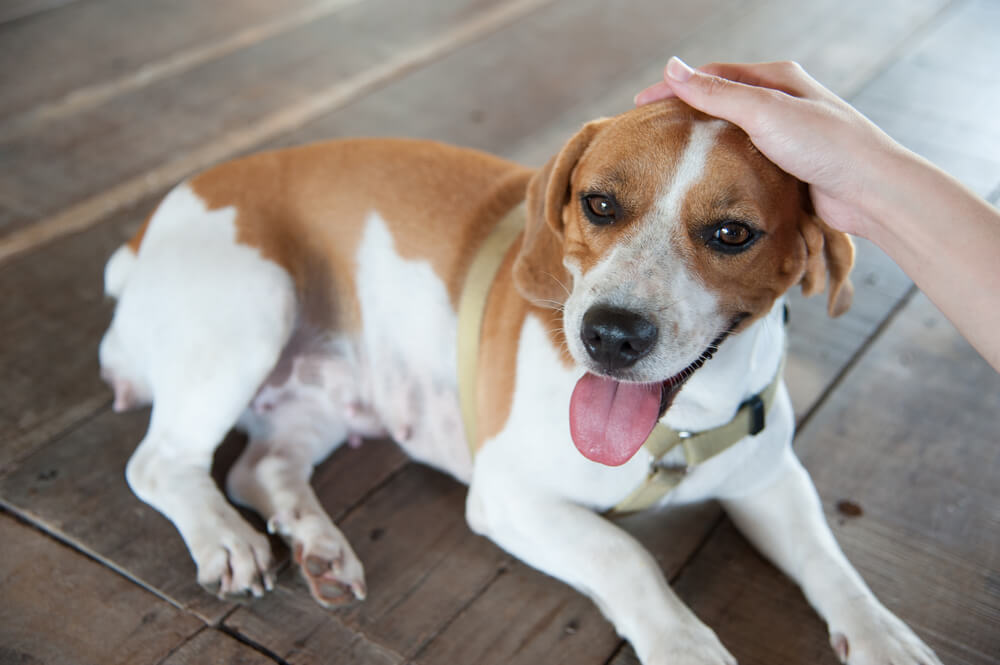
233, 559
690, 645
330, 567
879, 639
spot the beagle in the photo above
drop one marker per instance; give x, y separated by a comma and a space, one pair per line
312, 296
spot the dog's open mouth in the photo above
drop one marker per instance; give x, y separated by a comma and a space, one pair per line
609, 420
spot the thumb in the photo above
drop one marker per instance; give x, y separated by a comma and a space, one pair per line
715, 95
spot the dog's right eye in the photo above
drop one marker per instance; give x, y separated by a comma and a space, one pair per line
600, 209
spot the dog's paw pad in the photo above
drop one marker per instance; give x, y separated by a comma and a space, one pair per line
333, 573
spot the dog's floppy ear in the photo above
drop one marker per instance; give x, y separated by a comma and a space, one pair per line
539, 274
827, 252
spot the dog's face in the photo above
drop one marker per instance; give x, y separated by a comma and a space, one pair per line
660, 232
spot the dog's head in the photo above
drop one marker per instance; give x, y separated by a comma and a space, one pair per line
660, 232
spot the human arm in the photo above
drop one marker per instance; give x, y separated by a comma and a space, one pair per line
861, 181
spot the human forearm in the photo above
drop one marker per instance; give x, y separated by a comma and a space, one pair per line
945, 238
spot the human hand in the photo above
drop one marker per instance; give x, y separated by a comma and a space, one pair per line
799, 125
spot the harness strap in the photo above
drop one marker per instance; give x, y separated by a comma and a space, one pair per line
471, 307
698, 447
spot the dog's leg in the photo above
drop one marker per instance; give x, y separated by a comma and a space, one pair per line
199, 325
272, 477
171, 471
785, 521
198, 394
599, 559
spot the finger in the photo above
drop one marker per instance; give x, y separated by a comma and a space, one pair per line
654, 93
785, 76
736, 102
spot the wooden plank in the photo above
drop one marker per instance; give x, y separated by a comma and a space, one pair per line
9, 215
950, 118
422, 565
300, 635
60, 607
100, 160
820, 347
105, 47
910, 438
213, 646
12, 10
91, 506
52, 317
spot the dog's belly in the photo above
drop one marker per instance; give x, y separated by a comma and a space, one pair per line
396, 377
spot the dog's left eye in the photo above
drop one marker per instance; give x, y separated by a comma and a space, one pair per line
600, 209
732, 237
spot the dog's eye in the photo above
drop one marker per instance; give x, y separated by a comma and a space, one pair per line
732, 237
600, 209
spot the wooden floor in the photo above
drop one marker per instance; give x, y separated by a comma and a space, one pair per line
105, 103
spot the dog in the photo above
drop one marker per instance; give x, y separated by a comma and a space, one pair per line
312, 295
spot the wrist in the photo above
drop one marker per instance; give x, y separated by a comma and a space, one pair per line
895, 196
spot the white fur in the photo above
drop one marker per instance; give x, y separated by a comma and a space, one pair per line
117, 270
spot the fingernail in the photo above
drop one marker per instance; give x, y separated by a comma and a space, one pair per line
678, 70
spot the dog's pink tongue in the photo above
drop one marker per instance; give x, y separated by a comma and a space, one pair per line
609, 421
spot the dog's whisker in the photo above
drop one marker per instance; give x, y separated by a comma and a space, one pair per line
559, 282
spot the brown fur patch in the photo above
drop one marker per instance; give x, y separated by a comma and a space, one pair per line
305, 209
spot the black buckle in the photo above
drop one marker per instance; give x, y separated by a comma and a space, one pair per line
757, 414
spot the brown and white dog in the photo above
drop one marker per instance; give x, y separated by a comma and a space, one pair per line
309, 296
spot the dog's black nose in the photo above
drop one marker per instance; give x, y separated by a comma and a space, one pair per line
616, 338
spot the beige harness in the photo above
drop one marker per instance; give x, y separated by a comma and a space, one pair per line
663, 477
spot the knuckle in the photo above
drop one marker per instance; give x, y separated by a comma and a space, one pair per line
715, 85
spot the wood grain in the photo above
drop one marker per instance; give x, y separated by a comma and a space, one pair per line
12, 10
61, 608
252, 95
213, 646
950, 117
104, 46
52, 316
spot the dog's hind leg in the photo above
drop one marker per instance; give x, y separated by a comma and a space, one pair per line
200, 323
272, 477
